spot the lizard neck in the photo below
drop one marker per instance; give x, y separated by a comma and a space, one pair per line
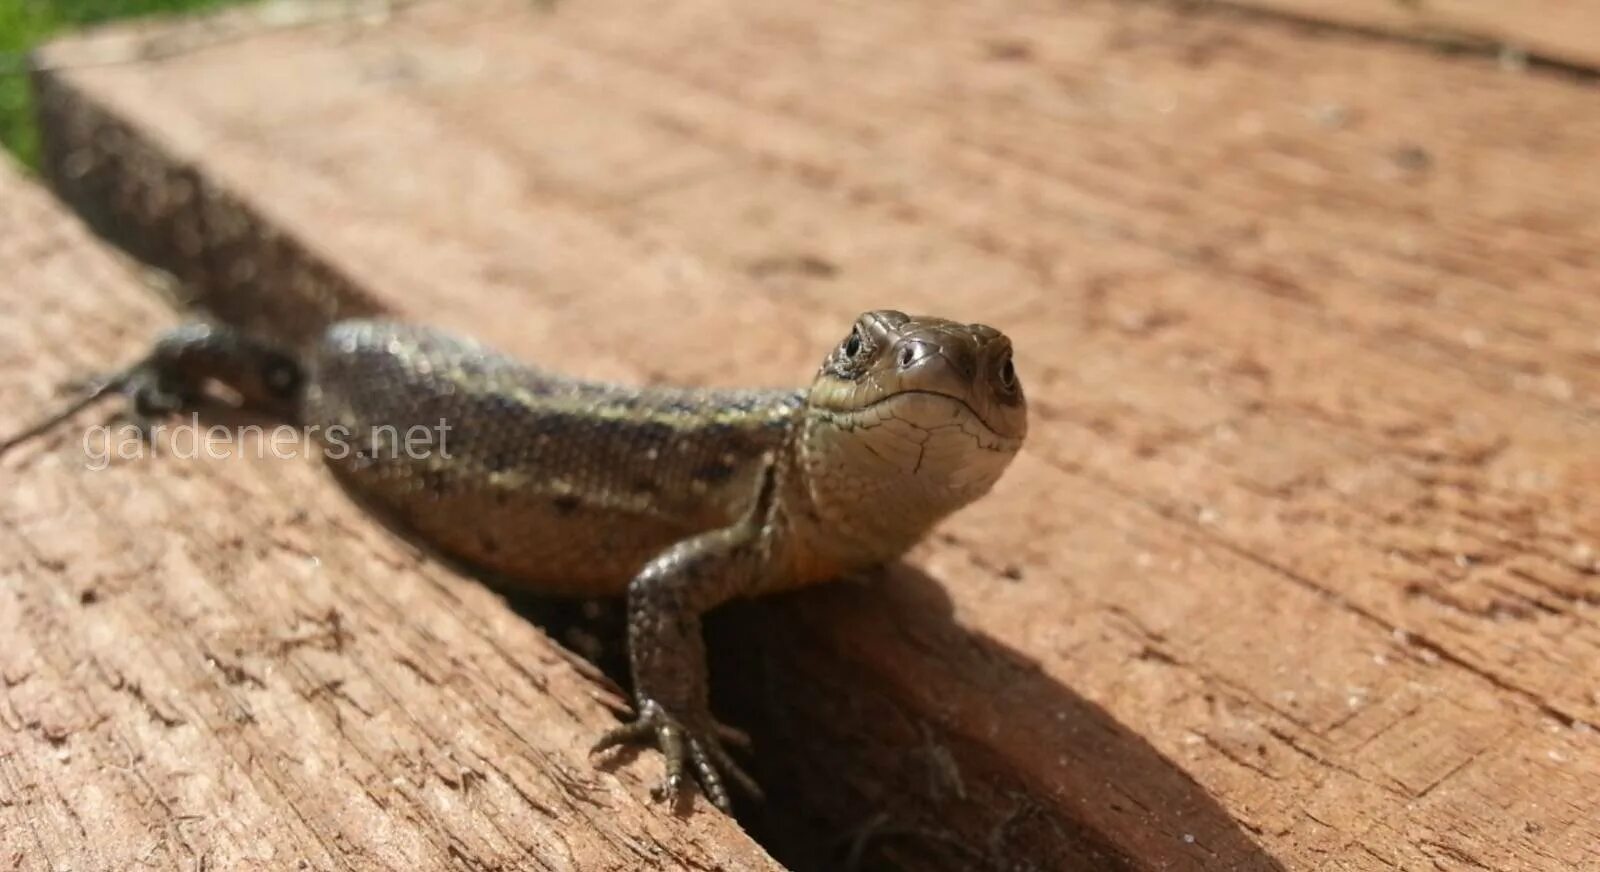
853, 505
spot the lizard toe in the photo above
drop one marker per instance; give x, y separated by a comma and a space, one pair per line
630, 733
706, 773
725, 762
698, 748
734, 736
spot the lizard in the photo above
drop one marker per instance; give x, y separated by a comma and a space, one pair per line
677, 499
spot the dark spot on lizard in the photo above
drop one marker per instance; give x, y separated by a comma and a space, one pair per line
655, 433
499, 461
565, 504
281, 375
715, 472
680, 406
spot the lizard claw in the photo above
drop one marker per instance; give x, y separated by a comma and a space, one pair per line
699, 743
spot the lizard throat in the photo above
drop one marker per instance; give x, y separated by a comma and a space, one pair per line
880, 476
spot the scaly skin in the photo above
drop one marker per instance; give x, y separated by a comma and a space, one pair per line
679, 499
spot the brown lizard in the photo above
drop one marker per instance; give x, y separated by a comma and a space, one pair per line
678, 499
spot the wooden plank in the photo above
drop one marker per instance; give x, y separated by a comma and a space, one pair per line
1562, 31
1305, 517
215, 662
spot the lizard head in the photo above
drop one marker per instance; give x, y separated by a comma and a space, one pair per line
909, 419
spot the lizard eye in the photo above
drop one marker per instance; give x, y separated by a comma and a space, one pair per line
852, 346
1008, 374
850, 360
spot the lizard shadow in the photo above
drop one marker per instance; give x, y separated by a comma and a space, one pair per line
939, 746
1017, 770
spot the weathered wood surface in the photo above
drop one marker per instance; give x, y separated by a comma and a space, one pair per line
217, 663
1307, 321
1564, 31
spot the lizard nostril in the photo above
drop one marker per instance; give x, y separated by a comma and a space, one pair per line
912, 353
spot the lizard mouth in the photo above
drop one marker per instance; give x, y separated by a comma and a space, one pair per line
925, 409
929, 409
939, 441
925, 419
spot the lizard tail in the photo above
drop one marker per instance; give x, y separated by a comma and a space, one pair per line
180, 362
93, 392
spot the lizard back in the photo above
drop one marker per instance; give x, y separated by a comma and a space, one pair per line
566, 485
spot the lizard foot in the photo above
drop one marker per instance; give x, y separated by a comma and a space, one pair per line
698, 741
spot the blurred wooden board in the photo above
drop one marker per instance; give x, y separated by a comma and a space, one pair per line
217, 662
1564, 31
1307, 323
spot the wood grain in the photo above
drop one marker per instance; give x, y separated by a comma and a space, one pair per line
1564, 32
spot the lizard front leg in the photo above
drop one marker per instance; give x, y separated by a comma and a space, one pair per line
668, 653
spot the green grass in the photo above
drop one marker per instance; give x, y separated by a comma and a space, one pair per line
25, 23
